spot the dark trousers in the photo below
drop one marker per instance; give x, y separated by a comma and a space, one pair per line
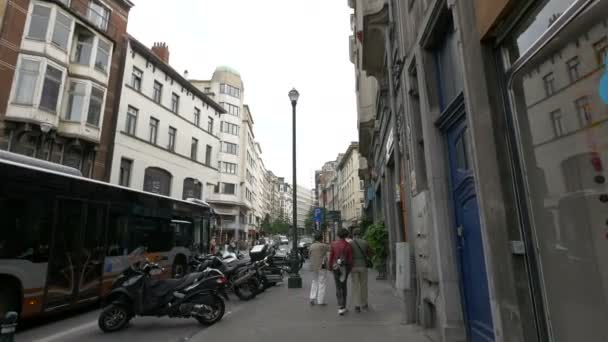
341, 289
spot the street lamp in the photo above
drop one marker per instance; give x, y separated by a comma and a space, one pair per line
294, 281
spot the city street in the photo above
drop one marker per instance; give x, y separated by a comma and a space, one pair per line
279, 314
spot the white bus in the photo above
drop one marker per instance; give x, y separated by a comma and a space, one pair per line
65, 238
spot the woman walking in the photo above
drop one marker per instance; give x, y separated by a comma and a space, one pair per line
318, 266
340, 261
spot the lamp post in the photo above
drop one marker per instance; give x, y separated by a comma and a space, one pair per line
294, 281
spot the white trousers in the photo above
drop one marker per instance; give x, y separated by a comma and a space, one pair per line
319, 283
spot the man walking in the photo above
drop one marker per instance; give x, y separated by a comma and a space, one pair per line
318, 266
361, 261
341, 261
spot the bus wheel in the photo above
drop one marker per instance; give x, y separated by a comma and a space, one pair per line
9, 300
179, 268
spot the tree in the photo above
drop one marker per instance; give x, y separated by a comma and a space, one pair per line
279, 226
266, 224
309, 224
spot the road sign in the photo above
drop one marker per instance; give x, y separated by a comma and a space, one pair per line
318, 215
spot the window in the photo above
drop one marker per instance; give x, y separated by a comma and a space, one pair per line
229, 148
247, 194
174, 102
61, 33
601, 51
50, 88
65, 2
208, 151
549, 83
231, 109
227, 127
556, 120
136, 77
95, 104
583, 109
194, 149
26, 81
226, 167
172, 137
197, 117
153, 130
192, 189
125, 172
157, 181
573, 68
230, 90
84, 48
210, 125
99, 15
131, 120
207, 89
228, 188
103, 55
39, 22
158, 92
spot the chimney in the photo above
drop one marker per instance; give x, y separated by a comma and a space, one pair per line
162, 51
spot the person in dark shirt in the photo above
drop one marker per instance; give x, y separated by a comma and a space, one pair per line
341, 261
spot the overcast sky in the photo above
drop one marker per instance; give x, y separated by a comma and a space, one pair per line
275, 45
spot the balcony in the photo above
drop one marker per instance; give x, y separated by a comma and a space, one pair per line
75, 129
375, 24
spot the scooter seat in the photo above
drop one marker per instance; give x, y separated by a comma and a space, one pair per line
159, 288
231, 267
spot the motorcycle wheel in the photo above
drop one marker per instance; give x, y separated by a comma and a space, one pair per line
113, 318
218, 308
262, 284
246, 291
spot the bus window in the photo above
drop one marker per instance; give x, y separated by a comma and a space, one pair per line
117, 234
25, 228
153, 233
184, 233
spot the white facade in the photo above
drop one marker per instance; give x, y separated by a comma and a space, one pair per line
305, 201
351, 187
177, 143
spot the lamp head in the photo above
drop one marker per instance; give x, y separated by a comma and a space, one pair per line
294, 95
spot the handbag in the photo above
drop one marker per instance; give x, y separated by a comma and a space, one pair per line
368, 262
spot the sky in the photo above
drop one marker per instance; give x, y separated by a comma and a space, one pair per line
275, 45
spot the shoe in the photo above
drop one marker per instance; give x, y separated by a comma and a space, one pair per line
341, 312
312, 302
365, 307
357, 309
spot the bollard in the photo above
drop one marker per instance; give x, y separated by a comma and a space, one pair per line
8, 326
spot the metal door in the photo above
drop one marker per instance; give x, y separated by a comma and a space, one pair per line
474, 283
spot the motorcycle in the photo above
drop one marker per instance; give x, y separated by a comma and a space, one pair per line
240, 274
136, 293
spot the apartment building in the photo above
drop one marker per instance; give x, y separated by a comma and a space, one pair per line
481, 126
166, 138
350, 187
60, 80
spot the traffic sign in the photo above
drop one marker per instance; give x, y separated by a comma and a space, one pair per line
318, 215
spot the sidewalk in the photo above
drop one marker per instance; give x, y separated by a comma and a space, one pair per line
285, 315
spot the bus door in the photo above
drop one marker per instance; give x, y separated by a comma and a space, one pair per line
76, 262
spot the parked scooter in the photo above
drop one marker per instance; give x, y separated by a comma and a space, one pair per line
240, 274
136, 293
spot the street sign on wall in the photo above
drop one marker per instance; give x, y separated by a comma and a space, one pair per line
318, 215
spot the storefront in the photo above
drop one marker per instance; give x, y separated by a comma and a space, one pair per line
553, 58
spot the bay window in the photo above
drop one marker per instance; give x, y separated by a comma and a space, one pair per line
103, 55
95, 104
61, 32
39, 22
84, 48
76, 95
50, 88
26, 81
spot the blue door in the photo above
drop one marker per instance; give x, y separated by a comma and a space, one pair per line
474, 283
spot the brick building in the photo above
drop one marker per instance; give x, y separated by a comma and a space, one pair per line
59, 79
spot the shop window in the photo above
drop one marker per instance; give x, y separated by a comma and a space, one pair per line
564, 167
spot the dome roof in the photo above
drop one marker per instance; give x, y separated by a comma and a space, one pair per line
225, 68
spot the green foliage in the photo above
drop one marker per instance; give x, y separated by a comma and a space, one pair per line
309, 223
278, 226
377, 237
266, 224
